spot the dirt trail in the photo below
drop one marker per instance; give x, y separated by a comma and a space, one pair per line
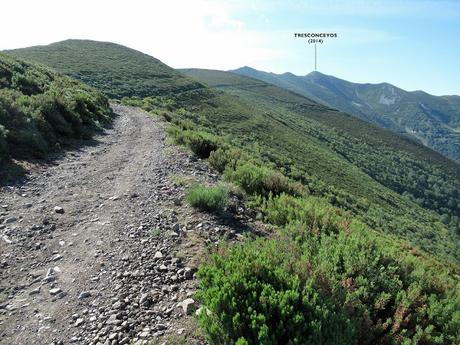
112, 268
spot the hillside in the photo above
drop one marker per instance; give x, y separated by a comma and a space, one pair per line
343, 151
41, 109
390, 181
116, 70
433, 120
318, 257
288, 222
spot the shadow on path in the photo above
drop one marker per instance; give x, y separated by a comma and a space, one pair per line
14, 172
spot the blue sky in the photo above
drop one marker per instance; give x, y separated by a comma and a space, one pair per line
413, 44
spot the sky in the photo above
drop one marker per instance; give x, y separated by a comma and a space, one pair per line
413, 44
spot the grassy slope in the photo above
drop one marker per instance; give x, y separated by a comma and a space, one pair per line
431, 119
338, 149
116, 70
41, 109
337, 155
389, 292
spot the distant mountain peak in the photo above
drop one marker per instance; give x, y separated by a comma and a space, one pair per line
246, 68
313, 73
289, 74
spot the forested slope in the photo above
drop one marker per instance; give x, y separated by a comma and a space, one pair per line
433, 120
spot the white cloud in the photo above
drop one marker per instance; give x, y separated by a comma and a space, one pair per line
199, 33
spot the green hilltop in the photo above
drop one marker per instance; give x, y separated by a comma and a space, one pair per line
116, 70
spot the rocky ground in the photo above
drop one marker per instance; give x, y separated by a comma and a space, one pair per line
99, 247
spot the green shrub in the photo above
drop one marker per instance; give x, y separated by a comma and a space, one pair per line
208, 198
395, 297
133, 101
166, 115
3, 147
219, 159
254, 297
349, 287
176, 135
184, 125
202, 143
312, 213
224, 158
40, 108
258, 180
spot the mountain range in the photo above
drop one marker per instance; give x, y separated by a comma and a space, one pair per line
432, 120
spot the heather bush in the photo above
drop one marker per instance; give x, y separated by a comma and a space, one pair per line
40, 108
226, 158
3, 148
200, 142
206, 198
258, 180
253, 296
308, 287
313, 213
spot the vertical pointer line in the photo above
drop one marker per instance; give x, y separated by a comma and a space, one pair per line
315, 56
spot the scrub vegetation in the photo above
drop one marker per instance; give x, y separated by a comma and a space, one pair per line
208, 198
40, 109
327, 274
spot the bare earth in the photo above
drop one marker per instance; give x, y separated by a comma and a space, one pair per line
114, 266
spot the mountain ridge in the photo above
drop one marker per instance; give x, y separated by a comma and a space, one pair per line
313, 73
433, 120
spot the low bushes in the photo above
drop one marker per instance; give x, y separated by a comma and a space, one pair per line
258, 180
222, 158
227, 158
208, 198
254, 297
40, 108
201, 143
312, 213
326, 288
3, 147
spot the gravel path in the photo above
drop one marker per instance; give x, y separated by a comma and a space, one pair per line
99, 247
